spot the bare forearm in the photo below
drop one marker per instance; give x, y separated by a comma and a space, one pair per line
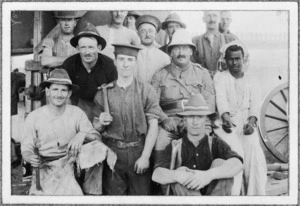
150, 138
229, 168
52, 61
93, 136
26, 155
164, 176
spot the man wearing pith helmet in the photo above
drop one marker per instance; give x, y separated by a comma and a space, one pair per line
130, 126
150, 58
89, 69
58, 131
172, 23
201, 164
57, 49
176, 83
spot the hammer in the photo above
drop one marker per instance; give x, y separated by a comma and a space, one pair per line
104, 89
37, 145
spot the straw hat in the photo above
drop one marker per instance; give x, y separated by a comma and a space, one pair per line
195, 105
59, 76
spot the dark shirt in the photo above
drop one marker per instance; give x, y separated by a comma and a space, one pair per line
164, 48
104, 71
17, 81
200, 157
130, 107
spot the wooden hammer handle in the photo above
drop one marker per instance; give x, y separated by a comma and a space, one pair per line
37, 172
106, 107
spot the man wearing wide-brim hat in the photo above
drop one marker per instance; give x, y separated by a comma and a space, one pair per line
58, 131
170, 25
150, 58
129, 128
201, 164
57, 49
89, 69
176, 83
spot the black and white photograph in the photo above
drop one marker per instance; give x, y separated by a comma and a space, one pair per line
150, 103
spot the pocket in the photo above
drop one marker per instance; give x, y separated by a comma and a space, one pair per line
194, 85
169, 90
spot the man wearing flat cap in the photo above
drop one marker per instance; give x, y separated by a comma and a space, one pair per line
129, 128
117, 33
57, 49
150, 58
89, 69
57, 131
176, 83
197, 164
170, 25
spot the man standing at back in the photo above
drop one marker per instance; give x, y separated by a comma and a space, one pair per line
225, 21
150, 58
57, 49
170, 25
209, 44
89, 69
116, 32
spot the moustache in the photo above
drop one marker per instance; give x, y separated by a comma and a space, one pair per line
181, 56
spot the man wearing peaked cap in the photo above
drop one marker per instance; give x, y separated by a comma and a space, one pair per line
57, 49
129, 128
150, 58
117, 33
205, 165
177, 82
89, 69
170, 25
58, 130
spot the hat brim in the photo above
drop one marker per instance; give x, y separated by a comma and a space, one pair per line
100, 40
194, 113
169, 47
46, 83
165, 24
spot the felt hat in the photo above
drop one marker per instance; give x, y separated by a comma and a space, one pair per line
195, 105
67, 14
133, 13
150, 20
89, 30
173, 17
181, 37
126, 49
59, 76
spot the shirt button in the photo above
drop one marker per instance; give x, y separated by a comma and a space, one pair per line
194, 166
197, 154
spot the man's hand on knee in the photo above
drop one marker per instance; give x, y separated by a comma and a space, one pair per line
198, 180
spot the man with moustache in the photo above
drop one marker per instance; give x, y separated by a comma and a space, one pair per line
203, 164
89, 69
225, 21
116, 32
170, 25
150, 58
57, 49
208, 45
130, 129
238, 102
175, 83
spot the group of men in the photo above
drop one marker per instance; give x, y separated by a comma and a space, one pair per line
150, 106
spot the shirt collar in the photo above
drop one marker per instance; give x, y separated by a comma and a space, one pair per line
186, 140
215, 33
177, 69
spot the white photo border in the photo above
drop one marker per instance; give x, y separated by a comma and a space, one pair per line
292, 7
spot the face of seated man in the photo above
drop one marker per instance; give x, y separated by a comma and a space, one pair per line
195, 125
58, 94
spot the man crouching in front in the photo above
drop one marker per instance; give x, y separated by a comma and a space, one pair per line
197, 164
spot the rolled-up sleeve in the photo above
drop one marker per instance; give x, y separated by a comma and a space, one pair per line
47, 47
84, 125
152, 108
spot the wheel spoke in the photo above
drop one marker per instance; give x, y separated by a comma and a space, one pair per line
278, 107
283, 95
277, 129
281, 140
277, 118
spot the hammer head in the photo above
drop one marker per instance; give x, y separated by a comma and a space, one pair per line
105, 86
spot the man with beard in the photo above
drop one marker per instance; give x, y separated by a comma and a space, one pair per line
89, 69
170, 25
175, 83
57, 49
208, 45
116, 32
150, 58
238, 102
225, 21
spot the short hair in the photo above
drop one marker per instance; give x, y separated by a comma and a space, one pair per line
233, 48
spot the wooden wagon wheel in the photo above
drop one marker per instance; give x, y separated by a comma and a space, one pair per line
274, 125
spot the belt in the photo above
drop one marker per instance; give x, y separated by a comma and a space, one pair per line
122, 144
173, 105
